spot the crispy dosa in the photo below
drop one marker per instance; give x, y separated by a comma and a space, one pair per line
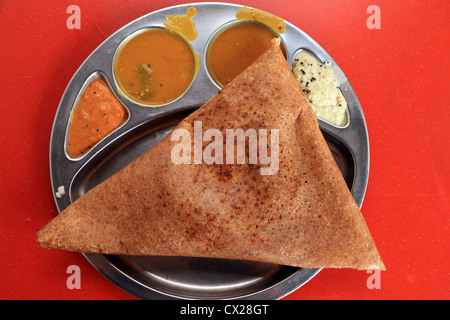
304, 215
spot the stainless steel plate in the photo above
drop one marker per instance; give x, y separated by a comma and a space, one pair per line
178, 277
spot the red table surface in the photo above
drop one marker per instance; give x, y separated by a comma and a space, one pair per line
399, 72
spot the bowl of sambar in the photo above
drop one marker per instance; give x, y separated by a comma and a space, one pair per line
235, 46
154, 67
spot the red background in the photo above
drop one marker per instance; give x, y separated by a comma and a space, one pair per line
400, 74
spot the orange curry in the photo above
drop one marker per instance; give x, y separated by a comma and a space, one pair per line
155, 67
236, 48
97, 114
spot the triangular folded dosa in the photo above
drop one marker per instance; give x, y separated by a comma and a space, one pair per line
303, 215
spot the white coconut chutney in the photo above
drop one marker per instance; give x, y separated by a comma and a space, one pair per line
320, 87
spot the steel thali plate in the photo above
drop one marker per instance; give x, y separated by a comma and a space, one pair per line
180, 277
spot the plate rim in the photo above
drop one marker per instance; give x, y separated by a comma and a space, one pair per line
110, 271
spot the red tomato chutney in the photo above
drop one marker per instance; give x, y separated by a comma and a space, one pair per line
97, 114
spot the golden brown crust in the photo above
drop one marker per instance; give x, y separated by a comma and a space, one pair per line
304, 215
